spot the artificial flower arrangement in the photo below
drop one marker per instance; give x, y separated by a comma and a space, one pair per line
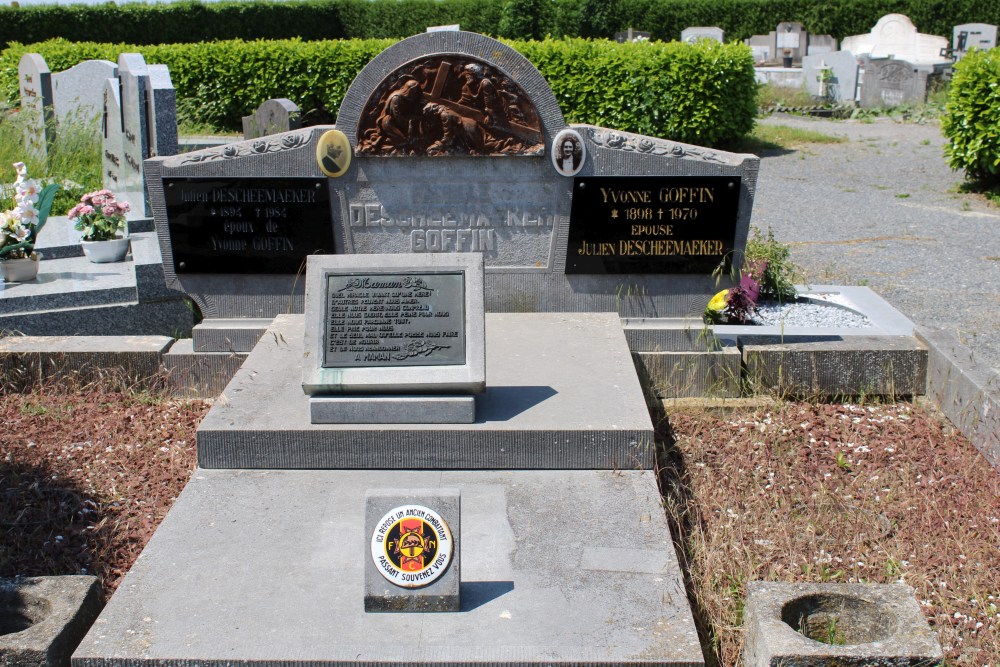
738, 304
99, 216
20, 225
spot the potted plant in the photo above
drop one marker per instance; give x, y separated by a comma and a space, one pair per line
20, 225
101, 218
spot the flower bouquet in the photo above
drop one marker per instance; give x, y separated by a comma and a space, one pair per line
20, 225
101, 218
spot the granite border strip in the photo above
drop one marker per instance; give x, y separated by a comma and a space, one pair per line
966, 391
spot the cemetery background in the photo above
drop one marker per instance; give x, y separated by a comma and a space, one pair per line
840, 466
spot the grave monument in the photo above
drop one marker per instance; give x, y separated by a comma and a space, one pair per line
968, 36
272, 117
456, 153
449, 153
894, 36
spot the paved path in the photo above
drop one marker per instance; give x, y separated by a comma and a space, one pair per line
882, 210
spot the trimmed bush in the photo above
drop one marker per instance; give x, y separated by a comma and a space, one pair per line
703, 94
192, 21
972, 117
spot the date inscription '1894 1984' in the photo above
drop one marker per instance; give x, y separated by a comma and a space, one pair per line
395, 320
652, 224
247, 225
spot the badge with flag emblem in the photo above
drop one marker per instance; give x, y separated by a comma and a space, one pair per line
411, 546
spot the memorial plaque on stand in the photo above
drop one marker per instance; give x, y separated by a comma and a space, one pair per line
394, 338
652, 224
247, 225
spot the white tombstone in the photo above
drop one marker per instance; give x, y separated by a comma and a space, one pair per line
78, 93
35, 81
895, 36
968, 36
692, 35
133, 74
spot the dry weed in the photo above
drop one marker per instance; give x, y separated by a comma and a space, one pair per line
826, 493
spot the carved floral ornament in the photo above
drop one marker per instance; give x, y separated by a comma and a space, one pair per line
637, 144
263, 146
449, 105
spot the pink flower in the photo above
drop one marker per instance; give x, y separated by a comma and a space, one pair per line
124, 207
110, 210
86, 209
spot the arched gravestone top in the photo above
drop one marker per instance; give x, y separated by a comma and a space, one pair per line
459, 49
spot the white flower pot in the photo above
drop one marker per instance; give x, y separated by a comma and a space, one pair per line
102, 252
19, 270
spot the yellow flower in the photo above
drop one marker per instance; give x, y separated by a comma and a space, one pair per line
718, 302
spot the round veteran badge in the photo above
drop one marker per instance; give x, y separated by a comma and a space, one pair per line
411, 546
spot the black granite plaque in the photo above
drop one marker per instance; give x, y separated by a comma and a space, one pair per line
410, 319
652, 224
247, 225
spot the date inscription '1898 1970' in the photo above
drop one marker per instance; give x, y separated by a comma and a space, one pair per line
395, 320
247, 225
652, 224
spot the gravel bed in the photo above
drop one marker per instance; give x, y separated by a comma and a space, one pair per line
809, 314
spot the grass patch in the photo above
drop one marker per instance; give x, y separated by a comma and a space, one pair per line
74, 162
771, 95
770, 138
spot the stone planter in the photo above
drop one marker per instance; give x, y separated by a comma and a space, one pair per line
43, 619
20, 270
102, 252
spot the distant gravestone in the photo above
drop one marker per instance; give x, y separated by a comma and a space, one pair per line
631, 35
894, 36
133, 75
843, 75
790, 41
78, 93
112, 134
788, 44
36, 103
272, 117
692, 35
889, 83
968, 36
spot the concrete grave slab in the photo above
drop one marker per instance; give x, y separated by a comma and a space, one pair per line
272, 576
43, 619
562, 392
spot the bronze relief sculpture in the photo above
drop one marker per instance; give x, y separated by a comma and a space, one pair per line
449, 105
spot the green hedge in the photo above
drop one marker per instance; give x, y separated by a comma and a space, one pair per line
192, 21
703, 94
972, 120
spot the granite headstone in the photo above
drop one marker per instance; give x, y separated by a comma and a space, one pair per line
112, 135
843, 75
134, 77
693, 34
889, 83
